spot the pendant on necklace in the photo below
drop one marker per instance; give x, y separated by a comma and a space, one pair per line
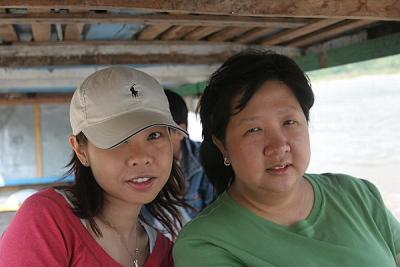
135, 263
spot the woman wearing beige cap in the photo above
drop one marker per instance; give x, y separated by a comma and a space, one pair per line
122, 162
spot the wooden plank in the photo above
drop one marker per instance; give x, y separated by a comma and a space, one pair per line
123, 52
38, 186
120, 59
151, 32
367, 50
73, 32
201, 32
38, 141
12, 100
354, 9
152, 19
253, 35
227, 33
7, 33
177, 32
295, 33
40, 32
191, 89
335, 30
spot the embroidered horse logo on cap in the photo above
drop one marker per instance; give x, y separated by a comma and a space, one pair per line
134, 92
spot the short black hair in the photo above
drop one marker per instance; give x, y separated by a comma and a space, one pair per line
242, 75
177, 106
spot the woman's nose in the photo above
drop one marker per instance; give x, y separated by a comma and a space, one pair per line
138, 155
277, 145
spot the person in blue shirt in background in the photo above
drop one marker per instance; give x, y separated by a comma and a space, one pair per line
199, 191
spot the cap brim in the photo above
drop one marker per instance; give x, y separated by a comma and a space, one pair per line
113, 132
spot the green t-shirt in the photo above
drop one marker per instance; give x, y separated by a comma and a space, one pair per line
348, 226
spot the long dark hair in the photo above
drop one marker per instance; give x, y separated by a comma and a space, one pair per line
88, 196
242, 75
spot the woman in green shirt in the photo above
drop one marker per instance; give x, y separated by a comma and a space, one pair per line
256, 150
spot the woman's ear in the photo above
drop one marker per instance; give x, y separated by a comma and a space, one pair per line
80, 150
220, 145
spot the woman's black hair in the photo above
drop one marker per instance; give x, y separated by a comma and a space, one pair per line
88, 197
242, 75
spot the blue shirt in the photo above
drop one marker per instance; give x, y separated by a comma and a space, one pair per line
199, 191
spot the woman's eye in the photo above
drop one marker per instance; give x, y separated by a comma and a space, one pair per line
290, 122
253, 130
154, 135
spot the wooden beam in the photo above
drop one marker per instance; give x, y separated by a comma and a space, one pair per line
38, 141
354, 9
191, 89
367, 50
40, 32
38, 186
370, 49
295, 33
36, 61
123, 52
61, 79
7, 33
22, 99
227, 33
335, 30
253, 35
200, 32
151, 32
155, 19
73, 32
177, 32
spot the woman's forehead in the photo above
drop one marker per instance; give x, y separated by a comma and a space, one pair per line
271, 95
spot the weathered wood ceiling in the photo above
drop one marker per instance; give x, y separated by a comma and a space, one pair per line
75, 33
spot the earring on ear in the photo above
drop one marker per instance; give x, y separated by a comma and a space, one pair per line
85, 163
226, 162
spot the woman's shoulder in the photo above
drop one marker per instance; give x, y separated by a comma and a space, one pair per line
213, 219
45, 199
338, 179
45, 207
344, 183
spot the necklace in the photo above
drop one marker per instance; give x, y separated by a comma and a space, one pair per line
132, 256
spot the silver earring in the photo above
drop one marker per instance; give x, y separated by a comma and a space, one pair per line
226, 162
85, 163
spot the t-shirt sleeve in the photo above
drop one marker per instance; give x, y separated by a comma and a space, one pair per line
395, 228
198, 253
34, 237
394, 225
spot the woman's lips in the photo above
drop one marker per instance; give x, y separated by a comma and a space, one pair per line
278, 169
141, 183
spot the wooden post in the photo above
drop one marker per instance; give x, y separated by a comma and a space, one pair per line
38, 141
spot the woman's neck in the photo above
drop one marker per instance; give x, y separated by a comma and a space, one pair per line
285, 208
124, 218
123, 238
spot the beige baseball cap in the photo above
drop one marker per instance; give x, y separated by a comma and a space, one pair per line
115, 103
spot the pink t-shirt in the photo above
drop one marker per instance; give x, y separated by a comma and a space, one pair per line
45, 232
